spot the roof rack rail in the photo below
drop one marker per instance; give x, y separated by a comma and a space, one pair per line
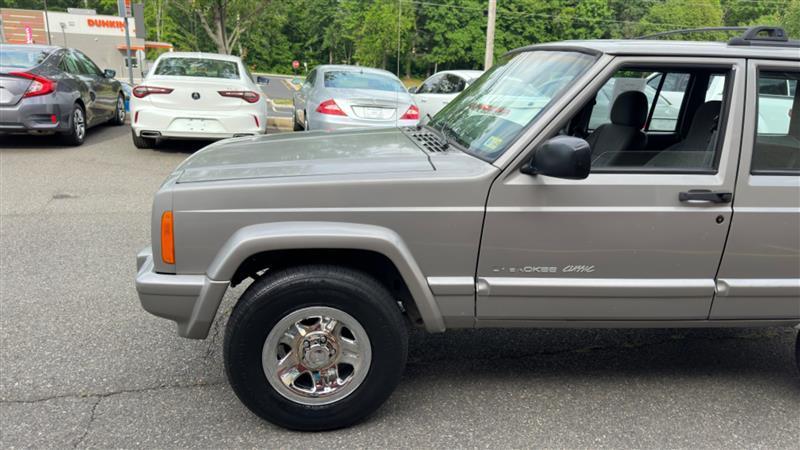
692, 30
758, 35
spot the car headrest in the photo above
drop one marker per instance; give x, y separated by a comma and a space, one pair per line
705, 119
630, 109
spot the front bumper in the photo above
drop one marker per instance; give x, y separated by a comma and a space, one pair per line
33, 115
191, 301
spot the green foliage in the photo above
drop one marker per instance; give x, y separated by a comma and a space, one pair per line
676, 14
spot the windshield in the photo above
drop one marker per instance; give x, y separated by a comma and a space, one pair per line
491, 113
362, 80
22, 58
198, 67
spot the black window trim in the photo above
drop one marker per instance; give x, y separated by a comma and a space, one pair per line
769, 172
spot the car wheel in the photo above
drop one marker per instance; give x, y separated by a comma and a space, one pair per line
119, 111
142, 142
296, 125
77, 125
315, 347
797, 351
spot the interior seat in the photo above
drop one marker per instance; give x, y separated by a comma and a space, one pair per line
628, 115
703, 130
698, 148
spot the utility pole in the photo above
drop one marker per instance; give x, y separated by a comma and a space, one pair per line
488, 59
47, 22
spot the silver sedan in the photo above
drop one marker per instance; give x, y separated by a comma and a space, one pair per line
334, 97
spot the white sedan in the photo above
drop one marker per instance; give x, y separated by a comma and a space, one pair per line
440, 88
196, 96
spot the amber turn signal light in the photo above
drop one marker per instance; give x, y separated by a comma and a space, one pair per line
167, 238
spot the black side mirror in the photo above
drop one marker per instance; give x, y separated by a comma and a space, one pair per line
413, 89
109, 73
262, 80
561, 157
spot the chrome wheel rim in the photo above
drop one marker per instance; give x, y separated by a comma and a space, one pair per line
120, 109
316, 355
79, 124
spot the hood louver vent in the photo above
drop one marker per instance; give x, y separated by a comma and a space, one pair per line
427, 140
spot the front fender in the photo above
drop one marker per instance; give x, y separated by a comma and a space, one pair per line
259, 238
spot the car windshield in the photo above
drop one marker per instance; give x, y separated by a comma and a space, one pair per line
22, 58
198, 67
493, 111
349, 79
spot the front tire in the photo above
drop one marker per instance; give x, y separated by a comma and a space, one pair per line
142, 142
77, 126
315, 347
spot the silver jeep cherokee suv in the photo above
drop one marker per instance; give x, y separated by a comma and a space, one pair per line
507, 209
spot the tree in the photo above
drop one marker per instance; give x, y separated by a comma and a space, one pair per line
377, 39
742, 12
674, 14
589, 19
224, 20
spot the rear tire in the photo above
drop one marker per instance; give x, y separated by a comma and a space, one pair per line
77, 127
119, 111
295, 124
142, 142
261, 339
797, 350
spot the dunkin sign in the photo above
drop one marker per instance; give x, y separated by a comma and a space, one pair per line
105, 23
93, 25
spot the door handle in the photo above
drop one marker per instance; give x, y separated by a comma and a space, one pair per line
705, 196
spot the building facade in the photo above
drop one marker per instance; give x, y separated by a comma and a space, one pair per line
101, 37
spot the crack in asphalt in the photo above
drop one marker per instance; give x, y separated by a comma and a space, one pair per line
113, 393
88, 426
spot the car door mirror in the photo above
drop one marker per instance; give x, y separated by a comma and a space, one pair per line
262, 80
109, 73
413, 89
561, 157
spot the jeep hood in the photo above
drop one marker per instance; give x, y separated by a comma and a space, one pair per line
305, 154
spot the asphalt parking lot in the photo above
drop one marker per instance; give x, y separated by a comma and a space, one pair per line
82, 365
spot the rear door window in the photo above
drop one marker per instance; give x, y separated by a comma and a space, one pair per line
450, 84
86, 65
777, 143
70, 64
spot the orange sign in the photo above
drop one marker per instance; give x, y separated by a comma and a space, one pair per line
106, 23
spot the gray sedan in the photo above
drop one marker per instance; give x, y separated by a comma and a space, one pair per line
47, 90
336, 97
